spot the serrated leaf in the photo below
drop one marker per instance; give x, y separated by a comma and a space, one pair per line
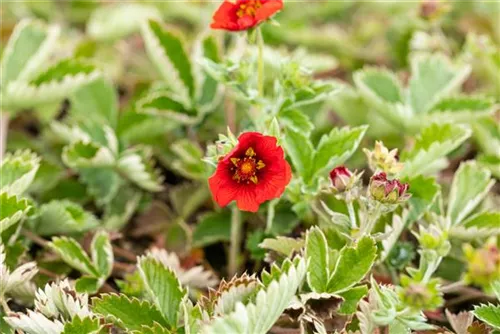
87, 155
470, 185
96, 101
336, 147
258, 317
489, 314
166, 105
129, 313
211, 91
115, 21
296, 120
238, 289
18, 171
87, 284
167, 52
163, 288
136, 165
352, 298
102, 183
211, 228
28, 48
433, 77
298, 146
317, 255
283, 245
424, 192
34, 323
82, 326
102, 254
58, 72
73, 254
352, 265
155, 329
432, 144
12, 210
63, 217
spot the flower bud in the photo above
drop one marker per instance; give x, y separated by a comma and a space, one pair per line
388, 191
341, 178
381, 159
483, 264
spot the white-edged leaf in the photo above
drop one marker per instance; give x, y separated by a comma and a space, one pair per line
102, 183
258, 317
29, 46
459, 109
63, 217
470, 185
299, 147
316, 253
115, 21
34, 323
18, 171
166, 105
433, 77
102, 253
163, 287
424, 192
136, 165
487, 135
12, 210
336, 147
129, 313
490, 314
168, 53
87, 155
432, 144
210, 91
22, 274
73, 254
238, 289
69, 134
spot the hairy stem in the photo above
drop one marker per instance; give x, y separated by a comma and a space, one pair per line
4, 128
234, 250
352, 215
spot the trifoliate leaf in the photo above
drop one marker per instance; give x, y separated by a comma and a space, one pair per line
63, 217
12, 210
317, 255
129, 313
18, 171
163, 288
352, 265
102, 253
489, 314
136, 165
433, 77
168, 53
82, 326
470, 185
433, 144
73, 254
115, 21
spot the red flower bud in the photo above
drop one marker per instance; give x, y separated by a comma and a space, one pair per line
340, 177
388, 191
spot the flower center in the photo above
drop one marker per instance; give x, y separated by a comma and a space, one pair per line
245, 169
249, 8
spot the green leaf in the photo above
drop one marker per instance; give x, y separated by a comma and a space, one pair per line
458, 109
190, 155
163, 288
336, 147
483, 220
120, 209
87, 155
102, 183
60, 71
82, 326
96, 101
210, 91
489, 314
73, 254
259, 316
87, 284
102, 254
18, 171
12, 210
487, 135
168, 53
166, 105
317, 255
432, 144
129, 313
352, 298
480, 225
137, 166
353, 264
433, 77
63, 217
296, 120
28, 48
211, 228
115, 21
424, 192
283, 245
470, 185
156, 329
298, 146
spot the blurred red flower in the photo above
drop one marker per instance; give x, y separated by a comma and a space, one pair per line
255, 171
244, 14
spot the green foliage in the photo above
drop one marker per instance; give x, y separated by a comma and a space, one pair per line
18, 171
82, 326
490, 314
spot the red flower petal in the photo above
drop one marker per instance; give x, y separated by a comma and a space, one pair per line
268, 9
244, 14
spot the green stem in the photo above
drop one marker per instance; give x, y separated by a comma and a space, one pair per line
373, 216
234, 250
4, 128
270, 214
260, 63
5, 306
352, 215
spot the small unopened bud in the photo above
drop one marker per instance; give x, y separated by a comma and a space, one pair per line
341, 178
483, 264
381, 159
388, 191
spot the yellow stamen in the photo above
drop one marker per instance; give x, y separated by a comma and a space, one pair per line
254, 179
235, 161
260, 164
250, 152
246, 168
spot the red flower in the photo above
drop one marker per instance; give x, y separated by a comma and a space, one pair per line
244, 14
255, 171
